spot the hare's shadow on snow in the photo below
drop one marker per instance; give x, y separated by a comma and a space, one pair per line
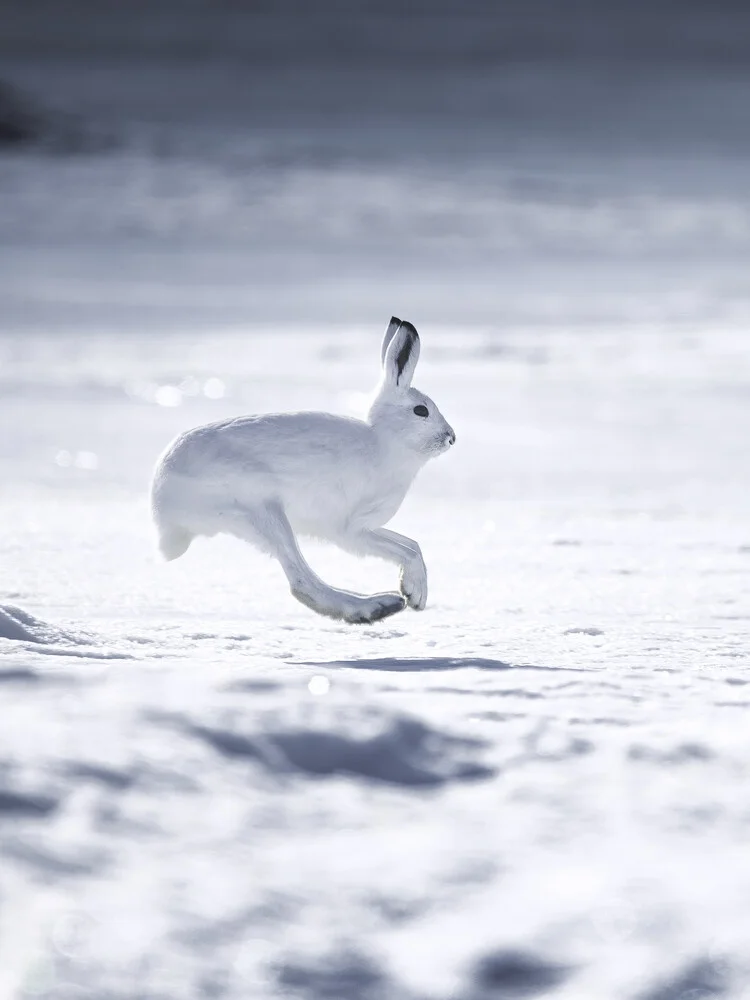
427, 663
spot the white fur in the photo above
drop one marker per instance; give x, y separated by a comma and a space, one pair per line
268, 478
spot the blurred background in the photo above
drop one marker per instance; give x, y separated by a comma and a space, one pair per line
205, 164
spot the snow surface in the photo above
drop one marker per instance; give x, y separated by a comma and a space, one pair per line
536, 787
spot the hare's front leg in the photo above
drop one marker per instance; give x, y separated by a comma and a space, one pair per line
267, 527
399, 549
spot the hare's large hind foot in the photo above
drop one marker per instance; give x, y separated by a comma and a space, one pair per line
375, 608
351, 608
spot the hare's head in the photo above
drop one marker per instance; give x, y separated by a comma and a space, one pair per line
401, 411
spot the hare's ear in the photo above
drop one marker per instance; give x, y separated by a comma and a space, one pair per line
400, 354
394, 324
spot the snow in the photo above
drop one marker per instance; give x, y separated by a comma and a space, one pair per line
538, 785
535, 785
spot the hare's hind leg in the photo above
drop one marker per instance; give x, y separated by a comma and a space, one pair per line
267, 527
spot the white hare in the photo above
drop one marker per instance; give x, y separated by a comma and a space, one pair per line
267, 478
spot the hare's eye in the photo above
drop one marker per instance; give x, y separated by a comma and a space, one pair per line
421, 411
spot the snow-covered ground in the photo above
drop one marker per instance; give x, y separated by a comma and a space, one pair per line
536, 785
539, 785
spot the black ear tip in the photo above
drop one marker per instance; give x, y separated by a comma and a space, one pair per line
409, 327
395, 321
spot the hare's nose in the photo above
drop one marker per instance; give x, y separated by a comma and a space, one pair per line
451, 437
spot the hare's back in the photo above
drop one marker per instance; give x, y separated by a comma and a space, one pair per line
285, 445
294, 439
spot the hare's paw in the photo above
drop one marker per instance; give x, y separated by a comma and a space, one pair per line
365, 610
348, 607
413, 582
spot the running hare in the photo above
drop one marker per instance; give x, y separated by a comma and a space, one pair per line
268, 478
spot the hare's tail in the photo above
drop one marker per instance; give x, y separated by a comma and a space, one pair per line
172, 538
173, 542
